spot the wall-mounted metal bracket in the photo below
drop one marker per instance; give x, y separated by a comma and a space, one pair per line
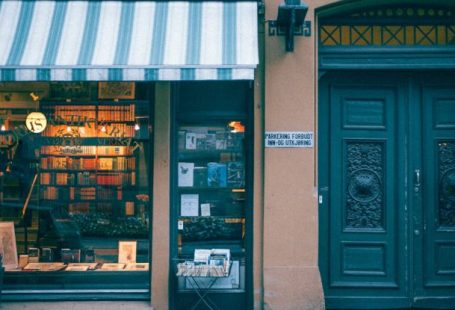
290, 22
290, 32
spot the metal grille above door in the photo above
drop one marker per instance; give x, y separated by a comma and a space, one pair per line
399, 37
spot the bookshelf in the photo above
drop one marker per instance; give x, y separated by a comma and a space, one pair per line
90, 166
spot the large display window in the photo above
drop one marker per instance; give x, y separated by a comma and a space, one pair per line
75, 182
211, 200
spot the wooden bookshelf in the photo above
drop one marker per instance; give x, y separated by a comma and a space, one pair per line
87, 159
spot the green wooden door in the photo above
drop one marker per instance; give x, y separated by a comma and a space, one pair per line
387, 186
434, 231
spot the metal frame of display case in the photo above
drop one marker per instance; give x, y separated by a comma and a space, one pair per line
243, 91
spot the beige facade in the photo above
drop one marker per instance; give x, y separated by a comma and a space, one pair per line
291, 274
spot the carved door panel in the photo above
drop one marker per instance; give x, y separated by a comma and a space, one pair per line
363, 203
387, 186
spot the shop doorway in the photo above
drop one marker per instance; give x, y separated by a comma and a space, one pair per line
387, 189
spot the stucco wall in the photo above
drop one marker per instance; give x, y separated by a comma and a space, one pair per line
291, 274
161, 176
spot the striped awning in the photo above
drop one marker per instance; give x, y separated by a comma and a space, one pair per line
127, 40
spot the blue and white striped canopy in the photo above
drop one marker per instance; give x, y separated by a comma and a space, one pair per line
127, 40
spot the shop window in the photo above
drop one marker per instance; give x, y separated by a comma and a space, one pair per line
211, 197
75, 182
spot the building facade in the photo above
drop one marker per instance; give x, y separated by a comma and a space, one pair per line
214, 153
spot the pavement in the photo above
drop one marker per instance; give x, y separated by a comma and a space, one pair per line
77, 305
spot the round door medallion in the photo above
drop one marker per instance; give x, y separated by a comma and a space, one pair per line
364, 185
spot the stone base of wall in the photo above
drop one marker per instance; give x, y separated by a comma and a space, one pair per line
293, 287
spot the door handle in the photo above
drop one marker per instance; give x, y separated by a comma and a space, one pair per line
417, 180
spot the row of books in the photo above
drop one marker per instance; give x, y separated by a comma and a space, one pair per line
115, 130
229, 174
110, 130
104, 163
57, 150
117, 163
70, 193
79, 207
86, 150
47, 178
68, 163
209, 140
102, 207
70, 113
116, 113
86, 178
66, 131
109, 193
117, 179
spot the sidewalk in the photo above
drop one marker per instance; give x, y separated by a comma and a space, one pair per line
77, 305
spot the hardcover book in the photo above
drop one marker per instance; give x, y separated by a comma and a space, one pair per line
200, 176
71, 256
190, 141
216, 175
235, 174
33, 255
111, 267
47, 255
181, 139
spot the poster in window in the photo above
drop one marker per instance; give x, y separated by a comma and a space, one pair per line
127, 252
116, 90
70, 90
189, 205
8, 245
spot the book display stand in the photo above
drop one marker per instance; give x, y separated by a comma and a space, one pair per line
203, 272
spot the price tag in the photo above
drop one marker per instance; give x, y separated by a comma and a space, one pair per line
180, 225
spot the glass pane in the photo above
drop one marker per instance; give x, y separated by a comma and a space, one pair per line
74, 190
211, 200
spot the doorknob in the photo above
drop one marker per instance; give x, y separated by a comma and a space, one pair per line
417, 177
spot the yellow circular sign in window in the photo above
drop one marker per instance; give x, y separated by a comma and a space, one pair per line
36, 122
